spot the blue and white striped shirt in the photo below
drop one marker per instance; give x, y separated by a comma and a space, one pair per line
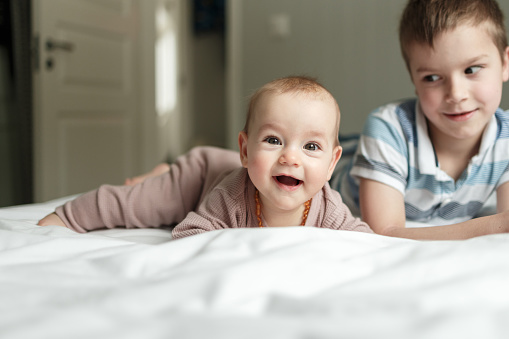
395, 149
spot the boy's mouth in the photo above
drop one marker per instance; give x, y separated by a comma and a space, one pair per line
288, 181
460, 116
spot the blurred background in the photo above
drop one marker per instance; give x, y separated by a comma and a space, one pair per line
94, 91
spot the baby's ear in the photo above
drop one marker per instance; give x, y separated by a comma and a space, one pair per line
243, 148
336, 155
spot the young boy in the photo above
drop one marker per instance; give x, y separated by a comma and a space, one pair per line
288, 150
437, 159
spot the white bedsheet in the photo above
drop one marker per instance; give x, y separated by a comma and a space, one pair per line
279, 283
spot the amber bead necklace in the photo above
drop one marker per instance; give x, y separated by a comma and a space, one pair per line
307, 205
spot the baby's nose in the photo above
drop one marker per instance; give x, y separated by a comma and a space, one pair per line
289, 157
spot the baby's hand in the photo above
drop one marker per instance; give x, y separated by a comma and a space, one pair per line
51, 220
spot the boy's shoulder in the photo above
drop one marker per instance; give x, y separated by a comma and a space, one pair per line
395, 120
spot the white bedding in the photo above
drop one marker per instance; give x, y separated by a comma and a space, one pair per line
279, 283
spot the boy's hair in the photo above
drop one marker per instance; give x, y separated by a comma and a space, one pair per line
423, 20
301, 85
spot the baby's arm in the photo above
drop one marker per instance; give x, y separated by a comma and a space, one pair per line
218, 211
339, 217
383, 208
51, 219
196, 223
159, 200
111, 206
225, 206
158, 170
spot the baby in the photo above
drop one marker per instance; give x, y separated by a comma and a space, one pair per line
288, 150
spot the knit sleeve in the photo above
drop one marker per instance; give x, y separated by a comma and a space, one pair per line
158, 201
338, 216
224, 207
149, 204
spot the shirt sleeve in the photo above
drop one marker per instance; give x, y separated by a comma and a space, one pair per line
382, 154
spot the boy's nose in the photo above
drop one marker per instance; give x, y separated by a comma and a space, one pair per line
289, 157
457, 91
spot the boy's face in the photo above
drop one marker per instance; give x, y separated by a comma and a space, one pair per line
290, 152
459, 81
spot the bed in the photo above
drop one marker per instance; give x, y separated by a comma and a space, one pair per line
294, 282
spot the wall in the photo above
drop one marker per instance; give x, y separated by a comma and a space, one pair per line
208, 89
350, 45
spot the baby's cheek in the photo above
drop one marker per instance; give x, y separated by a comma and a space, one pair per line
319, 170
258, 166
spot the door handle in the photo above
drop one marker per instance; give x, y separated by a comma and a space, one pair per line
52, 45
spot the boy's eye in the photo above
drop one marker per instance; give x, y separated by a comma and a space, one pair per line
273, 141
311, 147
431, 78
473, 69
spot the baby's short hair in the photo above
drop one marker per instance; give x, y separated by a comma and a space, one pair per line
300, 85
423, 20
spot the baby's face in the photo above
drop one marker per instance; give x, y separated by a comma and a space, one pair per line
458, 82
290, 151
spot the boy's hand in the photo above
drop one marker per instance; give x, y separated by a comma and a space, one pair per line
51, 220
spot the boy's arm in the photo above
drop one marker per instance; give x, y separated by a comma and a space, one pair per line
503, 197
383, 209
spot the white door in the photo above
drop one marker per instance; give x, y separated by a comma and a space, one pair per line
86, 95
108, 91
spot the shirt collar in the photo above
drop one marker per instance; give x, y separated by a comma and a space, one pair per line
425, 151
489, 136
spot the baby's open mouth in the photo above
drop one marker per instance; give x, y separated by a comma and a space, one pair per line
288, 181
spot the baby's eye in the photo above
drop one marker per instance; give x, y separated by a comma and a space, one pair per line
312, 146
431, 78
473, 69
273, 141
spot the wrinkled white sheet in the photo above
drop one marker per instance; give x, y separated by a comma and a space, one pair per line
246, 283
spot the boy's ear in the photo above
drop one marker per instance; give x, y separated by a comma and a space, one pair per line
243, 148
505, 65
336, 155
